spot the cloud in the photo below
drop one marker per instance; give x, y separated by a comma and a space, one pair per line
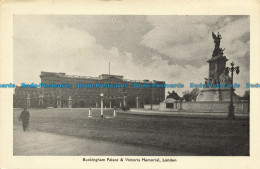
48, 47
178, 37
170, 48
187, 40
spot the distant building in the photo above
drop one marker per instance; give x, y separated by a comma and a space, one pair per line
86, 97
32, 97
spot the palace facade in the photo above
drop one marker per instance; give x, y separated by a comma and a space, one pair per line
76, 97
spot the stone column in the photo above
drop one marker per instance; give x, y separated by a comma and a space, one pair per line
178, 104
40, 100
243, 106
28, 103
137, 102
69, 102
58, 102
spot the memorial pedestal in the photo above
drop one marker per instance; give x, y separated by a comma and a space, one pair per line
216, 94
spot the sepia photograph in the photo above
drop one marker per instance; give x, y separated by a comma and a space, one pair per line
131, 85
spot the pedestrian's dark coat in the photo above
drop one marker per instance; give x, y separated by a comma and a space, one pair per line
25, 116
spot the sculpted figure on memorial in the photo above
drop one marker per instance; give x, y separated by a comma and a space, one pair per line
217, 50
224, 77
217, 39
206, 81
221, 51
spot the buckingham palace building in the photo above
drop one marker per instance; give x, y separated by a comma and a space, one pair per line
85, 91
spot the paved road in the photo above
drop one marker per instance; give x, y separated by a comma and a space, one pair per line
41, 143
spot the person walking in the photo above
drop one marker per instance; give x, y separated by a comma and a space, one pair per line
25, 116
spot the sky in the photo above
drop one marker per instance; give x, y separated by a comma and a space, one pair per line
171, 48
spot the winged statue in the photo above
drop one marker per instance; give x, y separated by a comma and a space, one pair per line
217, 39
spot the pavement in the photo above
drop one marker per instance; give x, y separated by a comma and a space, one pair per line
36, 143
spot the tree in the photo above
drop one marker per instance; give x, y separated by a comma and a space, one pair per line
246, 95
186, 96
194, 93
173, 95
191, 96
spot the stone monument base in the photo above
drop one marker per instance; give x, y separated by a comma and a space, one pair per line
216, 94
215, 107
202, 106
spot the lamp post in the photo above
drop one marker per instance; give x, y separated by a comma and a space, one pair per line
231, 114
137, 101
101, 105
124, 93
151, 98
124, 98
